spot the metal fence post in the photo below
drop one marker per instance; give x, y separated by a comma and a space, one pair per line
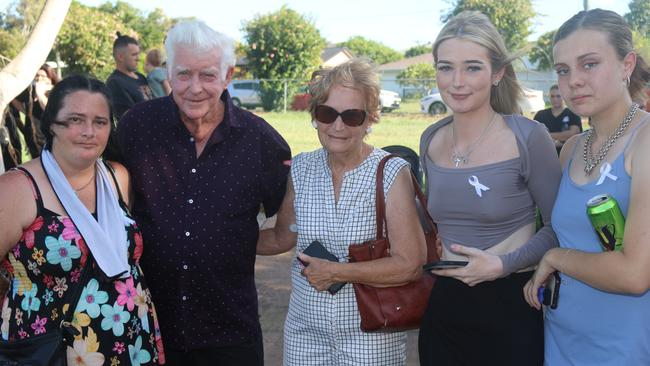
285, 95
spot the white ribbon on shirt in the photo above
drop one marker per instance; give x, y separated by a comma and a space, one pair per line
605, 170
473, 181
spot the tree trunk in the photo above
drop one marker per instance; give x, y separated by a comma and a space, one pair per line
17, 75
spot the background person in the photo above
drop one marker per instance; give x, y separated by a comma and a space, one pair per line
66, 211
602, 314
560, 121
487, 170
201, 169
156, 74
331, 198
126, 84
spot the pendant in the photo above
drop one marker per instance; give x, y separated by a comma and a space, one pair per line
458, 159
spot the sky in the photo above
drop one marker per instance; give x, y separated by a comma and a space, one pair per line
397, 24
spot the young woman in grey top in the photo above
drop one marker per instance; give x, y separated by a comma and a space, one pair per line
487, 170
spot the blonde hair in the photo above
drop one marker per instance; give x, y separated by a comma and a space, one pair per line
476, 27
359, 74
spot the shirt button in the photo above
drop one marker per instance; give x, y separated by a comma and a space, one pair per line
190, 201
184, 266
193, 170
187, 233
184, 297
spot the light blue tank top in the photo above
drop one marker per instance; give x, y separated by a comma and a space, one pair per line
590, 326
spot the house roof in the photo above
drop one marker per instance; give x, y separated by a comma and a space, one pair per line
331, 51
426, 58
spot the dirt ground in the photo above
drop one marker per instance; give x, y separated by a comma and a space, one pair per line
273, 287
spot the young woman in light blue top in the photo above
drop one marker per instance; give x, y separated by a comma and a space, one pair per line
603, 312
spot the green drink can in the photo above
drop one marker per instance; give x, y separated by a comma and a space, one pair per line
608, 221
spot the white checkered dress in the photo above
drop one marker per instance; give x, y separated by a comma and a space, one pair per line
322, 329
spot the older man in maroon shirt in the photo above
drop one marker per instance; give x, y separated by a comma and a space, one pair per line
201, 169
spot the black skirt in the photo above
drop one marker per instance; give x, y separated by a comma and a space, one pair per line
488, 324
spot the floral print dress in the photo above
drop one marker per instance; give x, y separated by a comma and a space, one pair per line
116, 318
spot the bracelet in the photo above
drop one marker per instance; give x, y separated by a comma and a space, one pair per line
566, 254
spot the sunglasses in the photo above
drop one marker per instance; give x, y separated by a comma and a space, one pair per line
351, 117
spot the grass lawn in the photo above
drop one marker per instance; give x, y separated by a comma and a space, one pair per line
401, 127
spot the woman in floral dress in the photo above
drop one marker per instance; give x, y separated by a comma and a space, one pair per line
50, 214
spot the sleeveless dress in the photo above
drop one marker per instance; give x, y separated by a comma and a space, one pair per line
590, 326
117, 319
323, 329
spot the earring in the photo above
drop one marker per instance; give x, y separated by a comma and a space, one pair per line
368, 130
627, 81
495, 83
314, 124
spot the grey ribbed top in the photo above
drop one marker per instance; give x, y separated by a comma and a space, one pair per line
516, 187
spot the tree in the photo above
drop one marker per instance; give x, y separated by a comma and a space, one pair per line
17, 75
281, 45
542, 51
85, 42
421, 76
511, 17
639, 16
150, 28
420, 49
377, 52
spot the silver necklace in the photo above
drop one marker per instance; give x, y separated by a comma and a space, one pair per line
592, 161
457, 158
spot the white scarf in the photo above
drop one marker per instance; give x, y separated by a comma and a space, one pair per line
106, 237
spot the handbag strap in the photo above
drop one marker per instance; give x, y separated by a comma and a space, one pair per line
380, 201
66, 322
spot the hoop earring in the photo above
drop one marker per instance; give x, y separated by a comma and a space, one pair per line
314, 124
627, 81
368, 130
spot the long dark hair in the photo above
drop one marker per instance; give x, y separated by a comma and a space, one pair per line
55, 102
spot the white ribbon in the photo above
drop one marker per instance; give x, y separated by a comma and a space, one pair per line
605, 169
473, 181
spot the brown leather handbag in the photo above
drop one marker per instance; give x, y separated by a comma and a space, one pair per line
400, 307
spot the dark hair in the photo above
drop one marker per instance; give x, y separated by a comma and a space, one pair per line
123, 41
56, 101
620, 37
51, 74
554, 87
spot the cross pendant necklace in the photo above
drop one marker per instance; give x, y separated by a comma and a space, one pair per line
458, 160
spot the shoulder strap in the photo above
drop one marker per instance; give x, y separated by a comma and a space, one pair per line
37, 192
111, 170
425, 140
380, 201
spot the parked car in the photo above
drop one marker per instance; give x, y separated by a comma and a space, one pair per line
433, 103
532, 102
245, 93
389, 100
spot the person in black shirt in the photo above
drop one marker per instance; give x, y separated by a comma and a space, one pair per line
560, 121
127, 86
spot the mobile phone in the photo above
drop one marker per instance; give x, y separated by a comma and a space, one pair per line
550, 292
317, 250
444, 265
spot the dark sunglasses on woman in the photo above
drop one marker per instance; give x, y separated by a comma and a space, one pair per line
351, 117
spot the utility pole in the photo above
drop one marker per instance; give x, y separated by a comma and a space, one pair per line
585, 4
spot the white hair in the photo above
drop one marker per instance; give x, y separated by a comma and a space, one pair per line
199, 37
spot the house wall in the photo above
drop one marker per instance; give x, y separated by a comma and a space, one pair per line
338, 59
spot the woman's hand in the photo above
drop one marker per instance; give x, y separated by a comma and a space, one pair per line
543, 271
317, 271
482, 266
